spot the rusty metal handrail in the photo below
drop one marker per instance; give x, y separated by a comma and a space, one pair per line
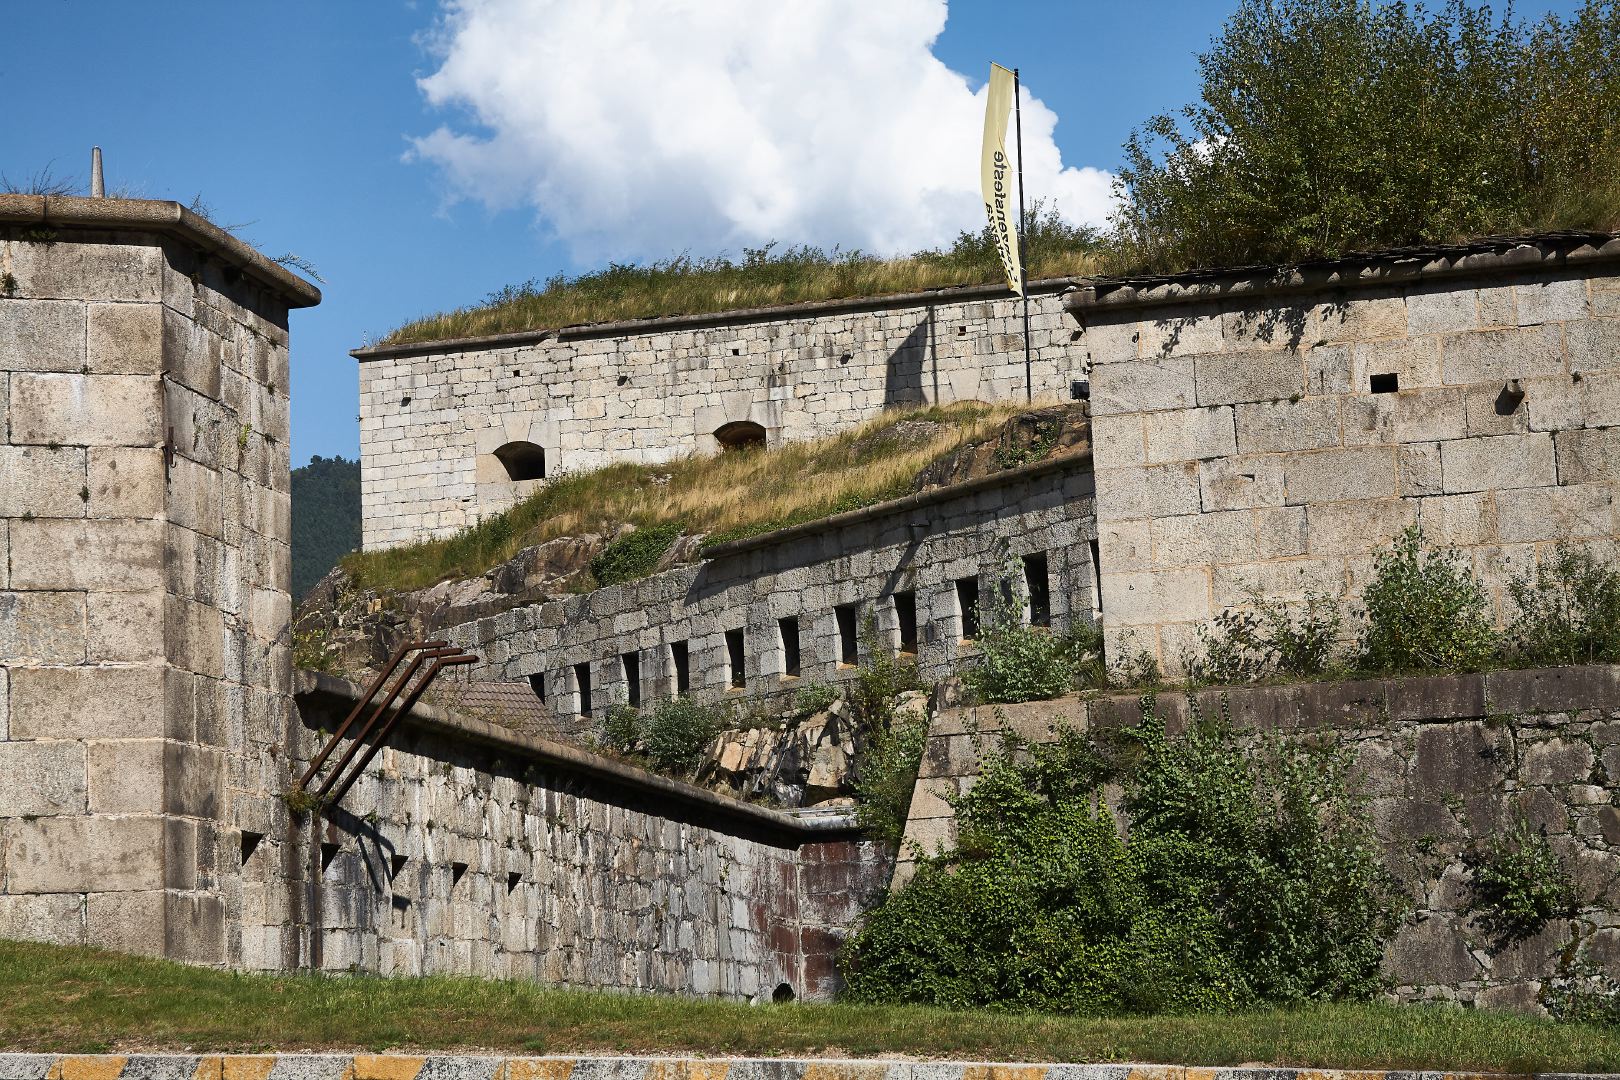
380, 711
455, 656
371, 691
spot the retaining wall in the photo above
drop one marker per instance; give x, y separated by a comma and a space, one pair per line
144, 570
1448, 761
432, 415
1274, 429
919, 547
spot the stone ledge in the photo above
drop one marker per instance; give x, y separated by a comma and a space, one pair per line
473, 1067
1484, 257
801, 826
157, 216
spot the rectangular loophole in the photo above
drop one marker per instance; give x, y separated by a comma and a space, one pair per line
905, 617
458, 870
537, 683
789, 631
967, 606
1037, 587
680, 660
250, 844
736, 658
1388, 383
582, 689
848, 644
513, 880
631, 665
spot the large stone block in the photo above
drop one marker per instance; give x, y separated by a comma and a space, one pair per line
1459, 520
1272, 426
1498, 463
192, 355
42, 335
1440, 309
1143, 385
41, 628
125, 776
82, 854
42, 778
125, 483
42, 481
1362, 320
54, 919
1233, 378
1560, 300
1138, 599
1555, 513
1239, 483
86, 410
101, 271
1414, 363
127, 922
1285, 326
1425, 415
124, 628
103, 556
87, 702
1186, 434
1337, 475
1359, 527
1593, 344
1588, 456
1203, 539
124, 339
1158, 490
1180, 334
1497, 355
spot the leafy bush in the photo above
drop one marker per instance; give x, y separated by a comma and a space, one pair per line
813, 698
1331, 126
881, 678
886, 775
1245, 878
620, 729
1568, 611
1019, 662
1519, 884
677, 732
1425, 610
1267, 639
635, 554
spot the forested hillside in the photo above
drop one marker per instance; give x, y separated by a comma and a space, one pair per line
325, 518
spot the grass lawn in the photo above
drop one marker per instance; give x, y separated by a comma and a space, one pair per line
55, 999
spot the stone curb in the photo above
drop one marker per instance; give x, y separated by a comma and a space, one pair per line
471, 1067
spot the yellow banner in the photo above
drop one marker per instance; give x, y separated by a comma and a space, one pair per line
996, 176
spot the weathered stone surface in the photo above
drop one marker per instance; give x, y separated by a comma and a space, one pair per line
1441, 308
39, 779
87, 702
86, 410
55, 919
1593, 344
81, 854
1487, 355
1230, 378
42, 335
1561, 513
1558, 300
1588, 456
1143, 386
1189, 434
1238, 483
41, 482
1306, 424
124, 339
1167, 596
1498, 463
125, 483
1337, 475
106, 556
127, 922
42, 628
1362, 320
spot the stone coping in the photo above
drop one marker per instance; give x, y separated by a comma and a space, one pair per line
949, 294
155, 215
479, 1067
1316, 705
904, 504
1487, 256
801, 826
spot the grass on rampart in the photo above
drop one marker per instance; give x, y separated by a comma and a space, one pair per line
725, 495
69, 1000
764, 277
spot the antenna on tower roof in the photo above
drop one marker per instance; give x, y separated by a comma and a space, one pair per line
98, 187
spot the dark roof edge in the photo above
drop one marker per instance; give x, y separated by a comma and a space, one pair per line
948, 294
809, 826
1489, 255
896, 506
158, 216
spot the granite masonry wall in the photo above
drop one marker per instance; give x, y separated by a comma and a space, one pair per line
1275, 430
432, 416
1448, 762
808, 593
144, 566
468, 848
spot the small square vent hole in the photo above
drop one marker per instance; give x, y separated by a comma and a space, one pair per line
1386, 384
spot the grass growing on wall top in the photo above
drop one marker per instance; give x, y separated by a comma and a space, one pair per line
730, 494
70, 1000
765, 276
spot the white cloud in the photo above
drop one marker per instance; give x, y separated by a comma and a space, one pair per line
638, 128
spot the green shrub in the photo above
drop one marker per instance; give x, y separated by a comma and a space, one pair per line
1568, 611
1425, 611
886, 776
1267, 639
881, 678
620, 729
1519, 884
634, 555
1331, 126
1245, 878
812, 698
676, 733
1018, 662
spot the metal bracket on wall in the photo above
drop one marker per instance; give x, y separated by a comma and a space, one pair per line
437, 655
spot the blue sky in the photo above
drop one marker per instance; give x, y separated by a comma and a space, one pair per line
296, 121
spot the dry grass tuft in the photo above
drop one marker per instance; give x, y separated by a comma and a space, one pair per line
725, 496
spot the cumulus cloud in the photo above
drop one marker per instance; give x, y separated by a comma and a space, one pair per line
640, 127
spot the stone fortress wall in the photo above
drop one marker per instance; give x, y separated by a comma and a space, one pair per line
433, 416
762, 617
145, 669
1275, 432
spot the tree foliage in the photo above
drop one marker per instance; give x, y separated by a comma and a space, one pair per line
325, 518
1331, 126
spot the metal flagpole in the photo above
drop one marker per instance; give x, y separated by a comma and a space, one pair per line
1023, 248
